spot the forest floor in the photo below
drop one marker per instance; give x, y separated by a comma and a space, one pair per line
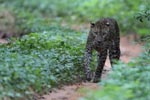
129, 50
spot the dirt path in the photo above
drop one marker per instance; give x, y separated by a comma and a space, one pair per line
3, 41
128, 50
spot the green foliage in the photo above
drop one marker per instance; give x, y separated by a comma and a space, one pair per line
39, 61
37, 15
143, 15
126, 82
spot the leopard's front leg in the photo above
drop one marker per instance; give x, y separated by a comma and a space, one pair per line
87, 60
101, 62
88, 57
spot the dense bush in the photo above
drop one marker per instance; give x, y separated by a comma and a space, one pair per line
35, 15
39, 61
126, 82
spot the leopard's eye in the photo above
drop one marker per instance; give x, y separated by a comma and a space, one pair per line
96, 33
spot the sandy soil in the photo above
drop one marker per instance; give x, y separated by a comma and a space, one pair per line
129, 50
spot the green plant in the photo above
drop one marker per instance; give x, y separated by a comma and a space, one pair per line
39, 61
37, 15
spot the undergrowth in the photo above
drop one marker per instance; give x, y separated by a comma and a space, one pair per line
28, 16
39, 61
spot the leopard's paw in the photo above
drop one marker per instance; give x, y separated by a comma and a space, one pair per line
96, 80
89, 76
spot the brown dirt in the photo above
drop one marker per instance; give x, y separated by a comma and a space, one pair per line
129, 50
3, 41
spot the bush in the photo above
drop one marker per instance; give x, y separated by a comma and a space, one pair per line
126, 82
37, 15
39, 61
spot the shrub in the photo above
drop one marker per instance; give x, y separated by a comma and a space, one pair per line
39, 61
37, 15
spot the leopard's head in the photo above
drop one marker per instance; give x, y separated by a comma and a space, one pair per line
101, 30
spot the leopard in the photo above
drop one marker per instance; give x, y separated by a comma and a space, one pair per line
104, 38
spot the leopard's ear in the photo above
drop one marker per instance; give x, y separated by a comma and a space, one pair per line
92, 25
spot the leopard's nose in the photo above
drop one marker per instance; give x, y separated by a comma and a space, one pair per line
99, 41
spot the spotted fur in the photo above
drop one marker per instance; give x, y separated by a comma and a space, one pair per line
105, 39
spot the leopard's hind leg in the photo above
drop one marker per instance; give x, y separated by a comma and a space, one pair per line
114, 52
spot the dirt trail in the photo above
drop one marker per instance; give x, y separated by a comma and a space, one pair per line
128, 50
3, 41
